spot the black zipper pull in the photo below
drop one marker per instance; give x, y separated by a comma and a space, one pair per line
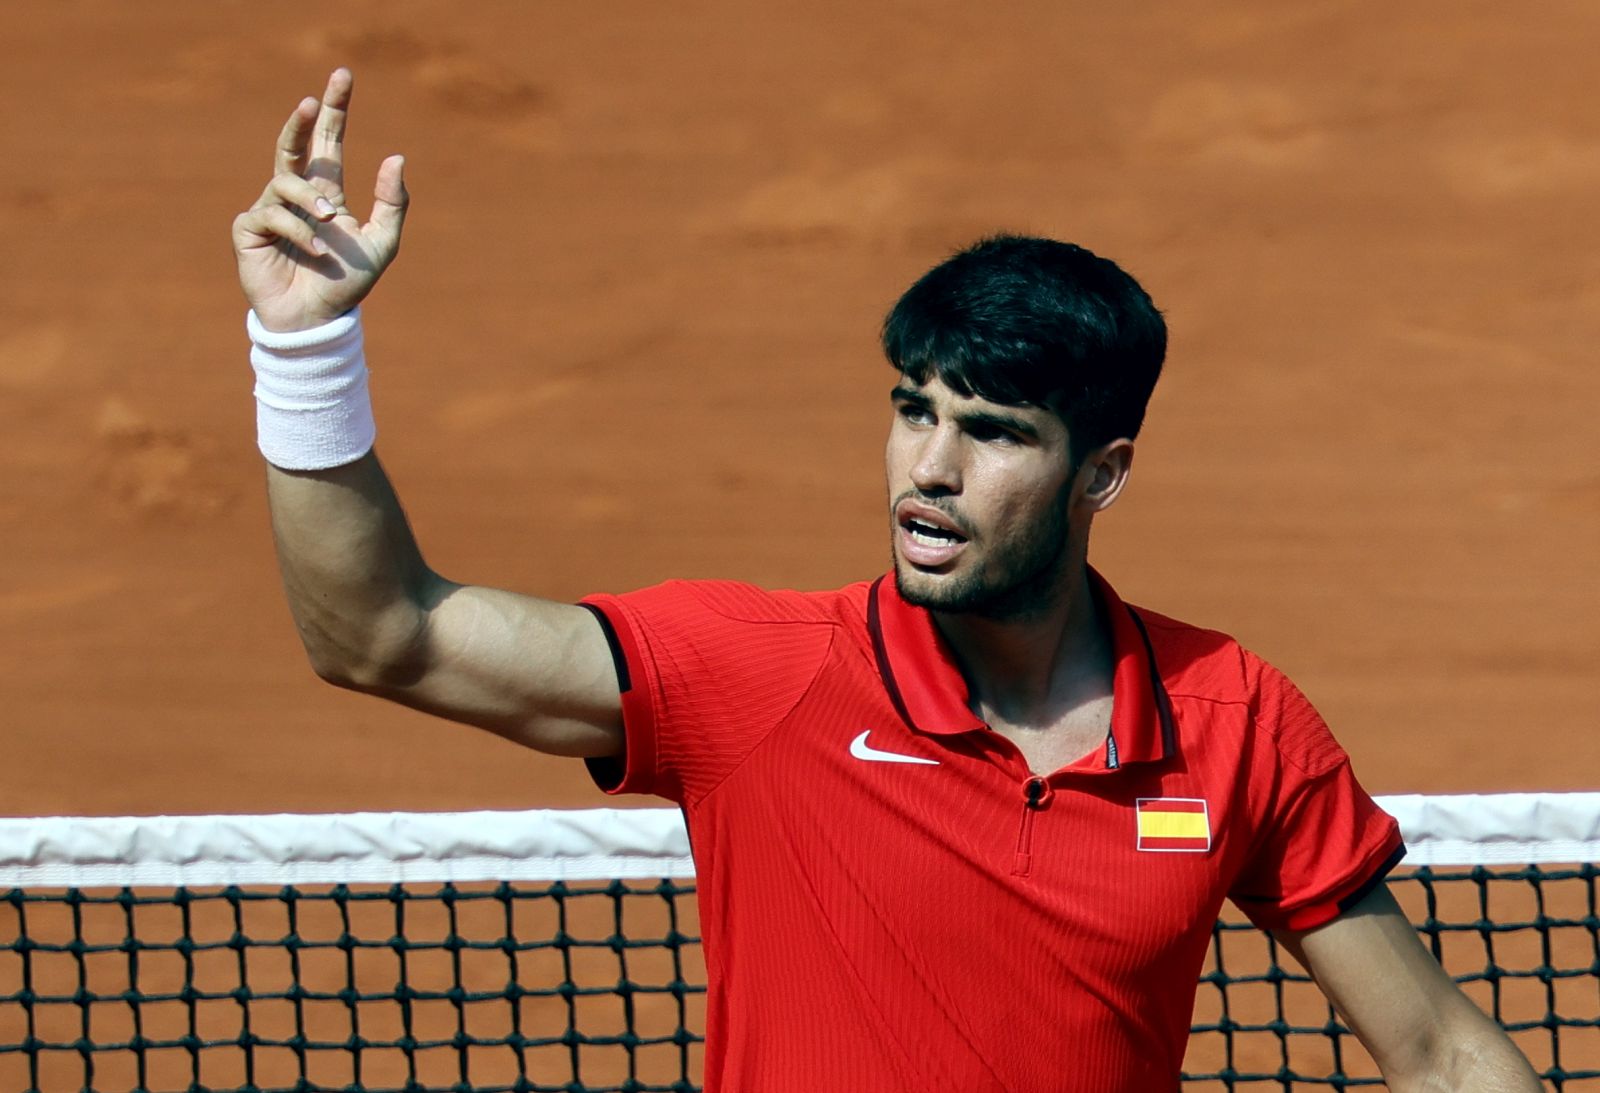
1034, 792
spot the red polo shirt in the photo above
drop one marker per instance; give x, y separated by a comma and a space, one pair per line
891, 900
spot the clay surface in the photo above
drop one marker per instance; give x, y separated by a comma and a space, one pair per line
632, 336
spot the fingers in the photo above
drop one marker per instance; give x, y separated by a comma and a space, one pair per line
327, 133
290, 157
267, 224
298, 193
307, 187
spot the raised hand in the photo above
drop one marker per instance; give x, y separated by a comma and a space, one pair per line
303, 256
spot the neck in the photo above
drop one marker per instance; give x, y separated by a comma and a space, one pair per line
1034, 669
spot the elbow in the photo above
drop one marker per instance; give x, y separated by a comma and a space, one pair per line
336, 667
383, 656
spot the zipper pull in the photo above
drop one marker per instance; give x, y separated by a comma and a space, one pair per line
1033, 792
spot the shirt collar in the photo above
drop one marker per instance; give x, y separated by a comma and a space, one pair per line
927, 688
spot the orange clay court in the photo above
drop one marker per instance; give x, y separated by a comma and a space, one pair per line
632, 336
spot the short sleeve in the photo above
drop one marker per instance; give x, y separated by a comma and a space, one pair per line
707, 670
1323, 842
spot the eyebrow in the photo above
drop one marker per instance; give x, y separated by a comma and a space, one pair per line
992, 418
902, 393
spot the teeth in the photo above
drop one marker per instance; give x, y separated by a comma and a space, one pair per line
929, 535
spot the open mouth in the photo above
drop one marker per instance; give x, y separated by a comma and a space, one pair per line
927, 538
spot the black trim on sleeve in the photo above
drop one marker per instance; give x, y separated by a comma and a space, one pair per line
1366, 887
881, 651
618, 659
607, 773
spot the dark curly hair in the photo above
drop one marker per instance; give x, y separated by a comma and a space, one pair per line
1023, 320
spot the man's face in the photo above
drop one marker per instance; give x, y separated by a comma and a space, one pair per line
979, 500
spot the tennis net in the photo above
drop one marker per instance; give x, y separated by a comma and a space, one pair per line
557, 951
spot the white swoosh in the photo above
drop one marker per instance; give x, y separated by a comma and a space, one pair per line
862, 750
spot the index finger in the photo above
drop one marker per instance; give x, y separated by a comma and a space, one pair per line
290, 157
327, 137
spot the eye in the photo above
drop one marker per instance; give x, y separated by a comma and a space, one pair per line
916, 415
987, 433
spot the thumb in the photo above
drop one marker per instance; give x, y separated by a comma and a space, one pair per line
389, 205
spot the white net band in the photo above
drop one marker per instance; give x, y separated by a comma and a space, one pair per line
349, 848
597, 844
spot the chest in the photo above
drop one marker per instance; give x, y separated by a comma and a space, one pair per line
1049, 748
940, 840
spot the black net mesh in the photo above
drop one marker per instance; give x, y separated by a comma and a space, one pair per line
600, 987
454, 987
1523, 943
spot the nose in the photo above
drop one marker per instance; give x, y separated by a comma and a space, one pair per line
937, 467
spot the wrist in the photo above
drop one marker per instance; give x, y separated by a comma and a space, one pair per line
275, 336
313, 410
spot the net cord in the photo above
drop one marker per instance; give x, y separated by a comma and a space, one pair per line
605, 843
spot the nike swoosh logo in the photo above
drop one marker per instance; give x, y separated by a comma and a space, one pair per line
862, 750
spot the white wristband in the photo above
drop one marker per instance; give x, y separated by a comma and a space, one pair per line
312, 406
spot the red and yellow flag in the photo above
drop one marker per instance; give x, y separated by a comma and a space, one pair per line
1173, 823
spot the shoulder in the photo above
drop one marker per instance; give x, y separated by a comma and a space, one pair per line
738, 602
1201, 665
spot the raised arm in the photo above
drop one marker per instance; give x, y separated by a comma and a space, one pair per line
1424, 1033
372, 615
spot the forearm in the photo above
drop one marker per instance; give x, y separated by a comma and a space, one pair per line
1471, 1055
354, 577
1500, 1069
1424, 1033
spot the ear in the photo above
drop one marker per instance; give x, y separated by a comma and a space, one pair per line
1103, 473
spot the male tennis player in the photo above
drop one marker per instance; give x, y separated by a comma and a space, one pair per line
962, 828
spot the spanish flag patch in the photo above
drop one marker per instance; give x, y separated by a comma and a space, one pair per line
1173, 823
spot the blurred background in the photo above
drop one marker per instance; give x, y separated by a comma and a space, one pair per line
632, 336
